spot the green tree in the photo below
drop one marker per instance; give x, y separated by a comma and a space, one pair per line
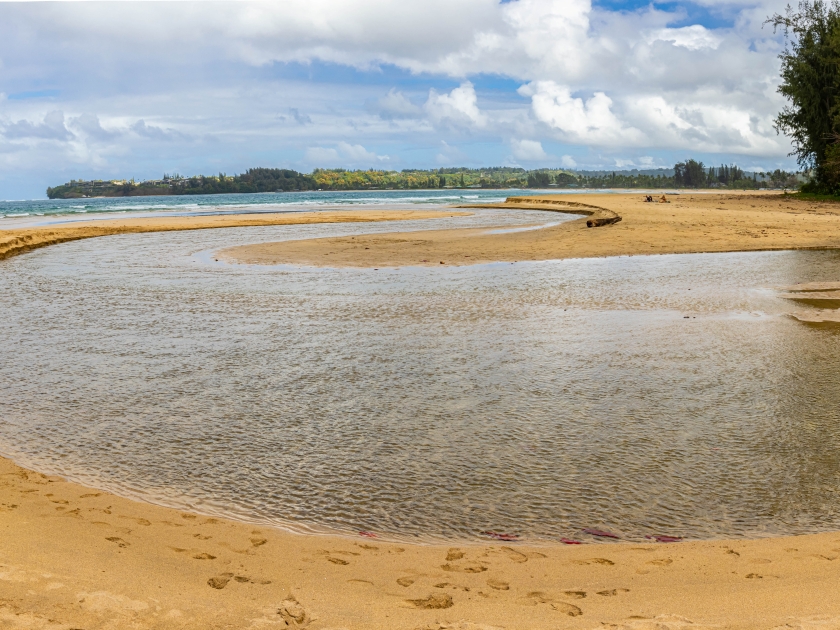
538, 179
810, 81
690, 174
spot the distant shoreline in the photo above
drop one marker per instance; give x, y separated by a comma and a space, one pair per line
258, 180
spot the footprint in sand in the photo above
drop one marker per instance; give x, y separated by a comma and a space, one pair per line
204, 556
499, 585
662, 562
603, 561
575, 594
223, 579
567, 609
258, 542
119, 542
337, 561
464, 568
293, 613
538, 597
435, 601
466, 589
819, 556
220, 581
454, 554
515, 555
405, 581
613, 592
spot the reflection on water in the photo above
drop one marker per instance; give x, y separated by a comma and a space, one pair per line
646, 395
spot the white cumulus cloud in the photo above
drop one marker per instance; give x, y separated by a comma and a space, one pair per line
343, 154
590, 121
528, 150
695, 37
459, 107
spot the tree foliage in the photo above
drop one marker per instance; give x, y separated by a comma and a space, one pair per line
687, 174
810, 81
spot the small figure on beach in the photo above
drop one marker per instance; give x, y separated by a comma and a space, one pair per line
648, 198
662, 199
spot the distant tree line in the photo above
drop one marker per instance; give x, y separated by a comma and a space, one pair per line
687, 174
694, 174
254, 180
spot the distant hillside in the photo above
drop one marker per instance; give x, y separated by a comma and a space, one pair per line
688, 174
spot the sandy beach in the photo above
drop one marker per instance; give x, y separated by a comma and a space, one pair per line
18, 241
72, 557
691, 222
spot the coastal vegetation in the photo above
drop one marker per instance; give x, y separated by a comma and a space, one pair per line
810, 82
688, 174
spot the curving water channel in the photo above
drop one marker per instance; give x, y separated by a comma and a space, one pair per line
646, 395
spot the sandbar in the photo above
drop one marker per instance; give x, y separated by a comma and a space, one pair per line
690, 223
18, 241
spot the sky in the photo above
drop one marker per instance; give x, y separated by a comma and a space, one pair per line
102, 90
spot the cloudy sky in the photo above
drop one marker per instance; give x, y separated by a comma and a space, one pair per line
136, 89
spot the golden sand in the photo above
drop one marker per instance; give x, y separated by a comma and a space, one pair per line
72, 557
690, 223
13, 242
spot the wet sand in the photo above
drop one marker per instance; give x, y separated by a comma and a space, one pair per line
72, 557
18, 241
691, 223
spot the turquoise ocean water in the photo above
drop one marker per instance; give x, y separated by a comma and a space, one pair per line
238, 203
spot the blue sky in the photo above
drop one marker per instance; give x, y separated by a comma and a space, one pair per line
130, 89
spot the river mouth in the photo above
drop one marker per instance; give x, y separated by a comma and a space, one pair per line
649, 395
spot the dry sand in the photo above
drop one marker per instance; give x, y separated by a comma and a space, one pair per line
72, 557
18, 241
690, 223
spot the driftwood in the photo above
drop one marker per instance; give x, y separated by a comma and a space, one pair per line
597, 216
604, 217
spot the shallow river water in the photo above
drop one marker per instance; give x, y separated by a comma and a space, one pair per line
646, 395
